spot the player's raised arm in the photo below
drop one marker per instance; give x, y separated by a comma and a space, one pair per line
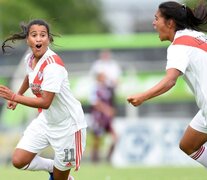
168, 81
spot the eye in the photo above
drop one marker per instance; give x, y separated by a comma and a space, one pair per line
43, 35
33, 34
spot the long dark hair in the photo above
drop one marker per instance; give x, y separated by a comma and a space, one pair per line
184, 16
25, 32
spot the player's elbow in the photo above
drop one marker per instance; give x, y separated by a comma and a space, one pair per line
172, 83
45, 105
169, 85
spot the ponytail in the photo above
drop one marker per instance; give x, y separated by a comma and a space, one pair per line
14, 37
184, 16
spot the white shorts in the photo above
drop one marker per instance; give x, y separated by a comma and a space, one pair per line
68, 148
199, 122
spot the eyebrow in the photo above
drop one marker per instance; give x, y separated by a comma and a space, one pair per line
40, 32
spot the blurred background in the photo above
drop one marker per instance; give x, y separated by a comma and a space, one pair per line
145, 135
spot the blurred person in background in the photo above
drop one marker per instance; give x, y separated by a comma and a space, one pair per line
187, 57
106, 72
110, 67
102, 115
60, 122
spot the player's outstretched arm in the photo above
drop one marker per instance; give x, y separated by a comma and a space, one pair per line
168, 81
37, 102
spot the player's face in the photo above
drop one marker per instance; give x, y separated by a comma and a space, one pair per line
161, 26
38, 40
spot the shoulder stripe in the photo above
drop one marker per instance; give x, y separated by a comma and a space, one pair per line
58, 60
54, 59
50, 60
191, 41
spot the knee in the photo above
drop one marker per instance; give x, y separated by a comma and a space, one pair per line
183, 147
187, 148
17, 162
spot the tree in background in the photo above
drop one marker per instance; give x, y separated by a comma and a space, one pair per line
193, 3
66, 16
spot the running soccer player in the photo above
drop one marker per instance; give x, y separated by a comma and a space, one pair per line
60, 122
187, 57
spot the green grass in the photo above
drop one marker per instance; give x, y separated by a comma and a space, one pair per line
107, 172
10, 173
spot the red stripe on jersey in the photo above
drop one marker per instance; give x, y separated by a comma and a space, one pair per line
58, 60
39, 77
79, 151
191, 41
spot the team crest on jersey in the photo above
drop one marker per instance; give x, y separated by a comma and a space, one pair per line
36, 88
40, 75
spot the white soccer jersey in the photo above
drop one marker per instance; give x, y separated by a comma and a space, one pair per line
50, 75
188, 53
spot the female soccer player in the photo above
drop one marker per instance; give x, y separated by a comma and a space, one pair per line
60, 122
187, 57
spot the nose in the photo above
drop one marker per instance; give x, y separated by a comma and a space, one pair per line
38, 38
154, 24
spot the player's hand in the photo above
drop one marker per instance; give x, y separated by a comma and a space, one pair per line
11, 105
5, 92
136, 99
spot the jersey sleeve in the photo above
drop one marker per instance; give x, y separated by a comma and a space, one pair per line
177, 57
27, 61
53, 78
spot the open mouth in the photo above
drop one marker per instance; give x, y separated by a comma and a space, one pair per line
38, 46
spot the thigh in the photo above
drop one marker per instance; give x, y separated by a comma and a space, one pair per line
68, 150
192, 140
195, 135
21, 157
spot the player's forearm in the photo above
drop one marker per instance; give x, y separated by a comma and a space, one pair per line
162, 87
30, 101
165, 84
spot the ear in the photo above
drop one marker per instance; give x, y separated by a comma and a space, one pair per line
171, 24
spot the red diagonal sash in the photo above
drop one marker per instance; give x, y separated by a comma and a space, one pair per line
39, 77
191, 41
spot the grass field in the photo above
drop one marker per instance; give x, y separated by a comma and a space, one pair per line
107, 172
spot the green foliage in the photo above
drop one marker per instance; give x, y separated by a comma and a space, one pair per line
13, 13
193, 3
65, 16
